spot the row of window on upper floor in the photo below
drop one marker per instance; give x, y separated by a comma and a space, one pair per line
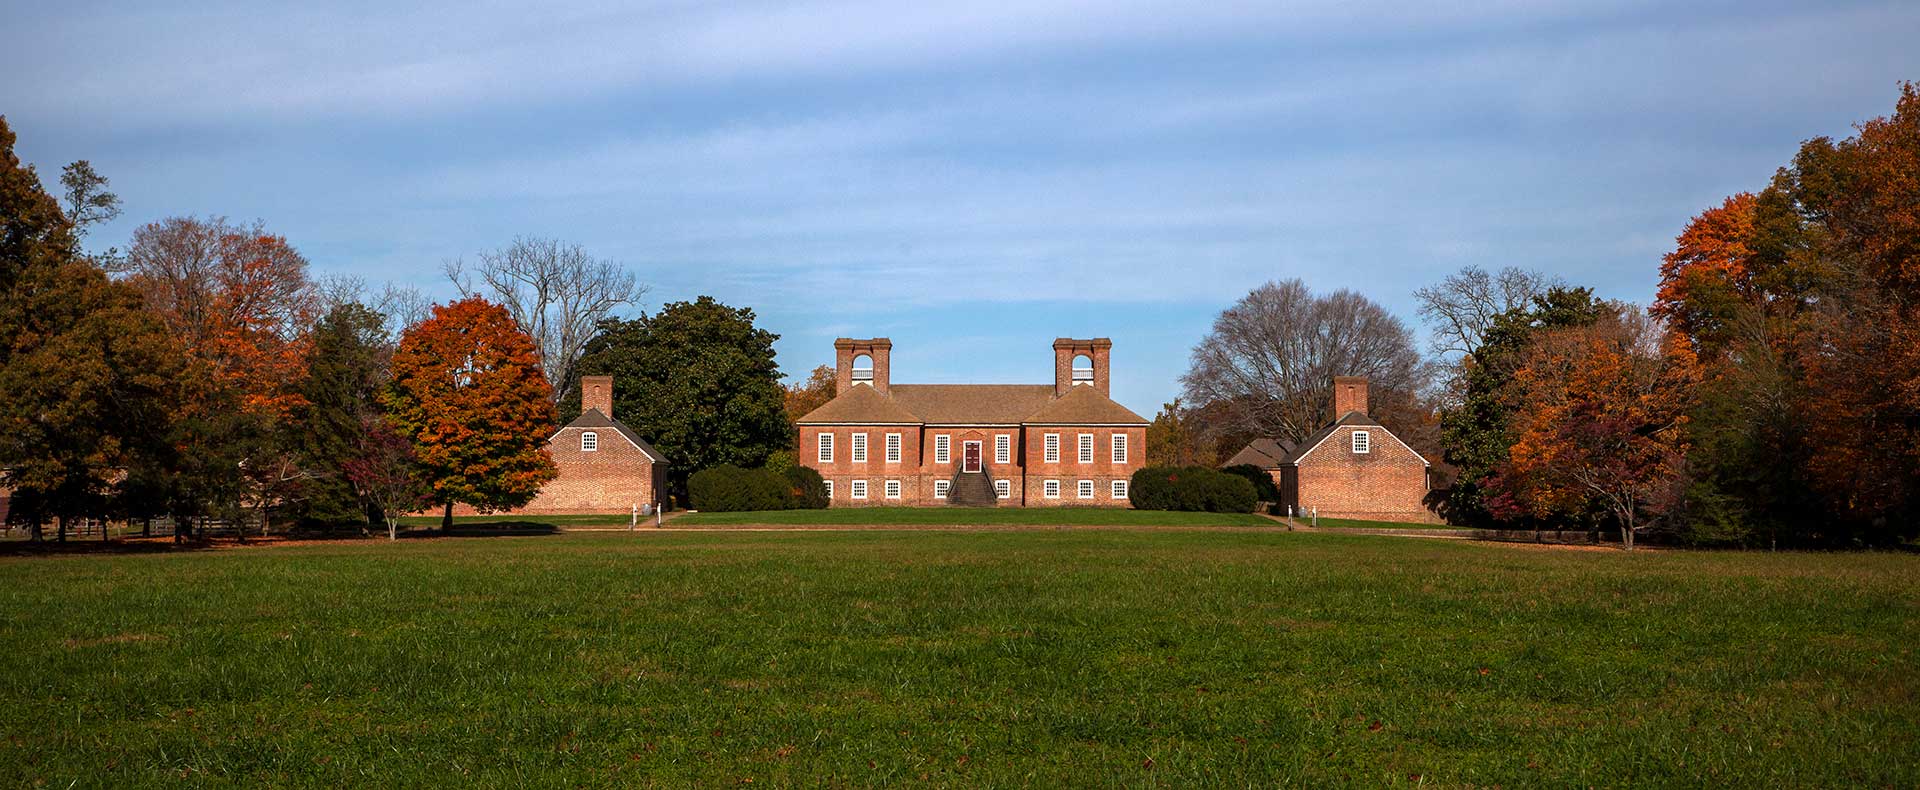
1049, 489
1117, 448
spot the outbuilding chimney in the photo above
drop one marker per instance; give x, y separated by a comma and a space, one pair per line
1349, 396
861, 362
1081, 363
596, 392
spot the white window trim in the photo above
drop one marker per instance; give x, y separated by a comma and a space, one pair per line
1119, 490
1086, 448
893, 448
825, 451
1003, 489
1050, 452
1120, 448
1050, 489
857, 449
1002, 449
940, 489
1084, 489
892, 489
858, 489
942, 449
1362, 442
589, 442
829, 484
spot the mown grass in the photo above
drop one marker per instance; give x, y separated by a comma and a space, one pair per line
972, 516
1150, 657
1352, 523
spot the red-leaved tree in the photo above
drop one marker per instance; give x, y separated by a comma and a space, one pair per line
469, 393
1599, 422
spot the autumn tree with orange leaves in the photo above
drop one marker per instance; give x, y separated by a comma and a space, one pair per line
1803, 303
1600, 423
469, 392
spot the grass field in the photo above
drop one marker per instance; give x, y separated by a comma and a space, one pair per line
987, 516
1168, 657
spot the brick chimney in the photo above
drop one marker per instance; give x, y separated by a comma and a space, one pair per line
873, 370
1349, 395
1091, 373
596, 392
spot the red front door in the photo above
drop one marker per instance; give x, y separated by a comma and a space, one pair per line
970, 457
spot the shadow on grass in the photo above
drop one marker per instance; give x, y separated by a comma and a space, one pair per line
482, 529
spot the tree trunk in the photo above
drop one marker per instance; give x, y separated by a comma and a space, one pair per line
1626, 533
146, 527
446, 522
393, 528
37, 536
60, 525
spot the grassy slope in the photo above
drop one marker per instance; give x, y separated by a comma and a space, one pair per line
946, 516
1044, 658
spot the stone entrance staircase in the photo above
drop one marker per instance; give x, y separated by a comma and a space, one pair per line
972, 489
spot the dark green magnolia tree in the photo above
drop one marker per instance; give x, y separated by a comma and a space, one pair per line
346, 372
87, 377
1477, 433
698, 380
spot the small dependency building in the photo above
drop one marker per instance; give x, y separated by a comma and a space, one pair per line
980, 445
1352, 468
604, 466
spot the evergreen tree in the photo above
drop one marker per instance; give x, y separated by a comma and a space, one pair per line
698, 380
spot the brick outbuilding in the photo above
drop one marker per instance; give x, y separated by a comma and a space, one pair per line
1353, 468
605, 467
1032, 445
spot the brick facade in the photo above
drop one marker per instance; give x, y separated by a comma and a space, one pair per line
604, 467
1378, 479
924, 416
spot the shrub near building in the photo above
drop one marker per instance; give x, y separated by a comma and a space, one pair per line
1193, 488
728, 488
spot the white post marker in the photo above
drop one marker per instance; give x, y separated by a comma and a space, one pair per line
1316, 518
634, 521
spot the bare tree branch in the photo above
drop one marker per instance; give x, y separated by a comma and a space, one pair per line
1267, 366
1461, 308
556, 291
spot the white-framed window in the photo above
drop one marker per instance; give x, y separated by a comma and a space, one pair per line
1119, 489
1362, 442
1050, 489
1086, 489
1120, 449
858, 489
942, 448
940, 488
893, 448
826, 448
1051, 448
1003, 489
1003, 449
893, 489
858, 448
829, 488
589, 441
1086, 448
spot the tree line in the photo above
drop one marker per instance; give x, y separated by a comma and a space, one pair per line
204, 375
1769, 396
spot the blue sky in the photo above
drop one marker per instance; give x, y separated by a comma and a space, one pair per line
971, 180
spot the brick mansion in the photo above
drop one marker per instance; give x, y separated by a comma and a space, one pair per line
1028, 445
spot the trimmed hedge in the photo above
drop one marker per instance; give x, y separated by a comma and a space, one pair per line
1263, 486
1193, 488
728, 488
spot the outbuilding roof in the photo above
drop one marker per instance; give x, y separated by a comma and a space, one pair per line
593, 419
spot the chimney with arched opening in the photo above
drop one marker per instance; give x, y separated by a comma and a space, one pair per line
1069, 370
861, 362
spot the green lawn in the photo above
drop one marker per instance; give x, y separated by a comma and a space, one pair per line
1350, 523
952, 516
618, 520
1168, 657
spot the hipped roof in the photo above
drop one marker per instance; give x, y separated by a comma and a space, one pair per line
972, 404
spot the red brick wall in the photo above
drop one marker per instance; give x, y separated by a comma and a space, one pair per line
1386, 484
917, 470
612, 479
1069, 471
